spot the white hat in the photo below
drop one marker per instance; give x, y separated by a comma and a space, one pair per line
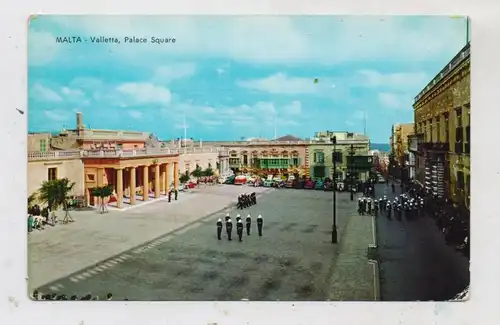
219, 220
237, 216
259, 217
229, 220
239, 221
248, 216
227, 214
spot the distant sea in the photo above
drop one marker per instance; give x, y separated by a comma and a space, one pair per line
383, 147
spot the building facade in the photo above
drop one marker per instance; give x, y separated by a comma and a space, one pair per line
442, 119
137, 164
322, 154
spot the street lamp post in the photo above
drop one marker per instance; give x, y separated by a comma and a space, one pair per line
334, 227
351, 171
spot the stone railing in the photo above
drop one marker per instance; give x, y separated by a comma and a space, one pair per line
112, 135
459, 58
112, 153
299, 142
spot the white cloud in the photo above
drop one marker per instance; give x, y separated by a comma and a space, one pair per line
401, 80
174, 71
58, 115
359, 115
220, 71
71, 92
395, 100
135, 114
212, 122
294, 108
44, 93
280, 39
145, 93
280, 83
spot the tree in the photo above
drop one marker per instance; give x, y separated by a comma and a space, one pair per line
208, 172
56, 194
197, 172
31, 200
103, 192
184, 177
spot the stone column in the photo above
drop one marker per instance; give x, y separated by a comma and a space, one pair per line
157, 181
176, 175
119, 188
163, 185
167, 178
133, 186
145, 183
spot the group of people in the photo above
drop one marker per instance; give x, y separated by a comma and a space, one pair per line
246, 199
410, 205
239, 226
53, 296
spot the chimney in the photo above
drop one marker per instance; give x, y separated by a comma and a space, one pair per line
79, 121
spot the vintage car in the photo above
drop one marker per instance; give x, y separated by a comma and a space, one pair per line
289, 184
319, 185
328, 186
268, 183
240, 180
309, 184
230, 180
190, 184
299, 184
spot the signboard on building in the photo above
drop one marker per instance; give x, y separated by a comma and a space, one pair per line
360, 163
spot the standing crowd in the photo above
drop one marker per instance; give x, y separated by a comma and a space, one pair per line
239, 226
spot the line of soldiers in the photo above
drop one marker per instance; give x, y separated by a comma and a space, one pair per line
402, 204
239, 226
367, 205
53, 296
245, 200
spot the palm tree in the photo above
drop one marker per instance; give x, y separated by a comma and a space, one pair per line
102, 192
55, 193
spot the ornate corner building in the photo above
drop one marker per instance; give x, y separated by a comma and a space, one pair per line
442, 132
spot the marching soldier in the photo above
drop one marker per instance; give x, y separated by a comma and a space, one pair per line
360, 206
238, 218
227, 217
240, 202
248, 222
229, 228
375, 207
239, 229
219, 229
260, 222
169, 196
254, 198
369, 206
388, 207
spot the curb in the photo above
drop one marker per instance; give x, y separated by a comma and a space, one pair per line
372, 254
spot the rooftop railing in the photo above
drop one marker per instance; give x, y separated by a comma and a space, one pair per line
117, 153
459, 58
298, 142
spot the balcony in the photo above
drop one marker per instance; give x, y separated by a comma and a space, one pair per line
459, 147
116, 153
435, 146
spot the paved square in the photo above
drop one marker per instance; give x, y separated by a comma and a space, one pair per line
294, 260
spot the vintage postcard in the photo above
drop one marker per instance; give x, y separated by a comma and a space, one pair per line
255, 158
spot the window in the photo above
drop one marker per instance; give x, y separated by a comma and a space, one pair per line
446, 129
319, 157
295, 161
438, 129
460, 180
430, 130
458, 112
43, 145
52, 173
337, 156
91, 177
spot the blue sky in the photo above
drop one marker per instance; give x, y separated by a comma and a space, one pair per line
236, 76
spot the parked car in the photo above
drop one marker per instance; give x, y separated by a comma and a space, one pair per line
299, 184
230, 180
190, 184
289, 184
268, 183
328, 186
319, 185
309, 184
